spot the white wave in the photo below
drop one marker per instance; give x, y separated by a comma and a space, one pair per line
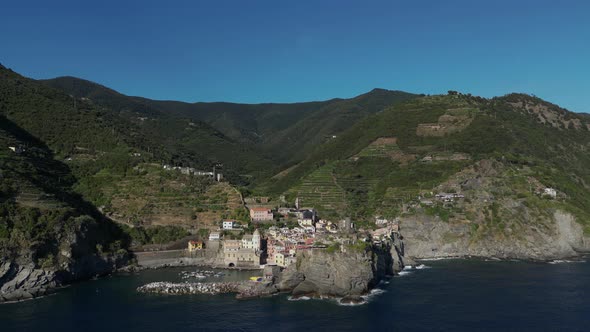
301, 298
438, 259
422, 266
408, 267
403, 273
350, 304
563, 261
375, 292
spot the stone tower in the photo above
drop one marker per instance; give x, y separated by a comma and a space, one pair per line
256, 239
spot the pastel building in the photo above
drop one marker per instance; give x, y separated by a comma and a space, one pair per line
261, 214
195, 245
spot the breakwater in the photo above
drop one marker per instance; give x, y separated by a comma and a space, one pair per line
211, 288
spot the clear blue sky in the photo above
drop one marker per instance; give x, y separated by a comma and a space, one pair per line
286, 51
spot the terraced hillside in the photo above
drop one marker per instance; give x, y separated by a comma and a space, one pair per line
320, 190
148, 196
41, 217
386, 162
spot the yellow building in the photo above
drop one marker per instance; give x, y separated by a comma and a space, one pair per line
195, 245
284, 259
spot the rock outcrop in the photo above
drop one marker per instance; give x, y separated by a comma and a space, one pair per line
559, 237
321, 273
77, 258
24, 282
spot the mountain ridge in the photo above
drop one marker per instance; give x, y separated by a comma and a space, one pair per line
269, 127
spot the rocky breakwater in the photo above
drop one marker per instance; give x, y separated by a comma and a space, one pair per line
348, 273
242, 289
210, 288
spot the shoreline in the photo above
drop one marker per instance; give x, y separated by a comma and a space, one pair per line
580, 255
176, 263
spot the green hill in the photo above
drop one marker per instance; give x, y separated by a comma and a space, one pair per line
504, 176
43, 221
386, 162
285, 133
181, 139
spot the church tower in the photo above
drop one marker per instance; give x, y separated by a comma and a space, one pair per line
256, 239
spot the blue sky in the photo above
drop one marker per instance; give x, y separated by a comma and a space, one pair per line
287, 51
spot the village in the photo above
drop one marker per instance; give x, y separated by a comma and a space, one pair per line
271, 245
274, 243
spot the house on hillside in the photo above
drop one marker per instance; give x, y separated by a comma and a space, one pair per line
195, 245
307, 218
231, 225
550, 192
261, 214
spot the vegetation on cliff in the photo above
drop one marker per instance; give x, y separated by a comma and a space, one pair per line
384, 163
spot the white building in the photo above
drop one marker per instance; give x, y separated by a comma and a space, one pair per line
214, 236
251, 241
228, 224
550, 192
381, 221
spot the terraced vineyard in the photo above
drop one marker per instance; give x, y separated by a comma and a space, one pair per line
382, 147
152, 196
320, 190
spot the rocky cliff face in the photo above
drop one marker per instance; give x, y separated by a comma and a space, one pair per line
503, 214
556, 237
340, 274
23, 278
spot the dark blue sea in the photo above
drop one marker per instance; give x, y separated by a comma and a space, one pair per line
457, 295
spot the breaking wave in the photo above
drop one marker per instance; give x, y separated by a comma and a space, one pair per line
300, 298
564, 261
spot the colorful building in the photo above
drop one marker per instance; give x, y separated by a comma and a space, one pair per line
195, 245
261, 214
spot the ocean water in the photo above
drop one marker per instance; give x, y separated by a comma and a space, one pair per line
458, 295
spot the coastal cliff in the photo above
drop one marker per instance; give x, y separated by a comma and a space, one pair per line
346, 274
503, 214
77, 257
350, 272
559, 236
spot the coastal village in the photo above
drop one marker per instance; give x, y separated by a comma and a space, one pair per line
277, 235
272, 245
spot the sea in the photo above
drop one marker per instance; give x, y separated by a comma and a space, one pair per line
444, 295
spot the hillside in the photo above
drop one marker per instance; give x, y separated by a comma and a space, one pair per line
460, 173
70, 167
284, 133
499, 154
48, 234
151, 196
115, 161
186, 141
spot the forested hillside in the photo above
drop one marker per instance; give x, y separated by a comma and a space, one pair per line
284, 133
